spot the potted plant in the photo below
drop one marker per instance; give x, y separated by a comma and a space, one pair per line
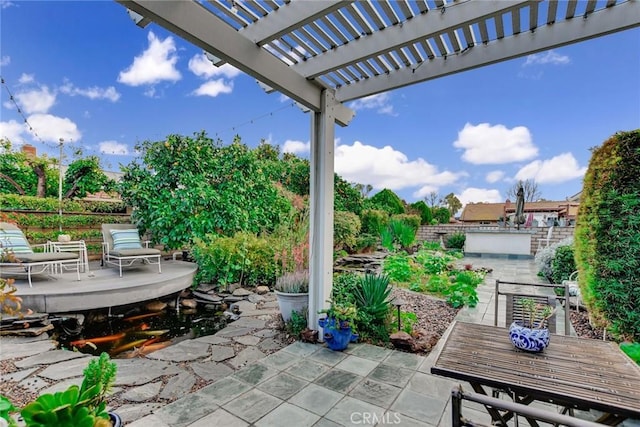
292, 292
83, 406
531, 333
339, 325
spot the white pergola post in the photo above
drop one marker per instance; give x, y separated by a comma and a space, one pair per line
321, 221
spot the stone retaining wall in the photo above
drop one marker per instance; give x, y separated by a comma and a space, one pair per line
430, 233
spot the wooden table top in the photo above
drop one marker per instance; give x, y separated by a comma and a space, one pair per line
572, 371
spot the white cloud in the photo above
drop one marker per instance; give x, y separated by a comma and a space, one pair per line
388, 168
113, 147
93, 92
296, 147
5, 60
157, 63
486, 144
561, 168
52, 128
26, 78
380, 103
13, 131
494, 176
6, 3
35, 100
214, 88
479, 195
202, 67
548, 57
150, 92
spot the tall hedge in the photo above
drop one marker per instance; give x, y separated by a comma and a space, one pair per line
607, 244
388, 201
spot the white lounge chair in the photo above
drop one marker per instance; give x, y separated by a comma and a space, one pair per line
122, 247
18, 255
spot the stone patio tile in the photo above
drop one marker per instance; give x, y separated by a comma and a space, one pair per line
357, 365
142, 371
371, 352
66, 369
316, 399
308, 369
219, 418
303, 349
265, 333
391, 374
401, 420
404, 360
247, 339
149, 421
224, 390
131, 412
249, 322
62, 385
282, 386
255, 374
419, 406
213, 339
350, 411
326, 423
281, 360
178, 386
374, 392
143, 392
252, 405
288, 415
18, 375
339, 380
246, 356
26, 349
430, 385
184, 351
49, 358
328, 357
232, 331
211, 371
187, 410
221, 352
270, 344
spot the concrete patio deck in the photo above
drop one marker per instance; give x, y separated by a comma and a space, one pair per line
309, 385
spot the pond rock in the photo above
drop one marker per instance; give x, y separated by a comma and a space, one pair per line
155, 306
189, 303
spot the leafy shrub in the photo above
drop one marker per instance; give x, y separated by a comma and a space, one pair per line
563, 264
463, 289
366, 242
297, 323
243, 258
607, 230
373, 220
398, 267
344, 285
388, 201
411, 220
456, 240
407, 320
421, 208
544, 258
346, 226
632, 350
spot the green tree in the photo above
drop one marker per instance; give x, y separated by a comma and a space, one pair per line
421, 208
453, 203
84, 176
27, 175
442, 215
186, 187
607, 247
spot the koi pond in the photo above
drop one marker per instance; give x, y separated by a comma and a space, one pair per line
135, 331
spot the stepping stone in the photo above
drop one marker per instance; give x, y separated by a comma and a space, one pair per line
18, 375
220, 353
247, 340
248, 355
265, 333
132, 412
142, 371
34, 384
142, 393
49, 358
182, 352
211, 371
62, 385
232, 299
255, 298
206, 297
249, 322
241, 292
25, 349
213, 339
231, 331
178, 386
270, 344
66, 369
149, 421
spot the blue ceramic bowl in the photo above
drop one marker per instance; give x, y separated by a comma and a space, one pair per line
533, 340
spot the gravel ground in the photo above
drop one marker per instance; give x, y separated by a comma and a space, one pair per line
434, 315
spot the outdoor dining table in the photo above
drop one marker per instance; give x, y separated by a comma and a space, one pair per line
574, 373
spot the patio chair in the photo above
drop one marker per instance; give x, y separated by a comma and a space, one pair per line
25, 260
122, 247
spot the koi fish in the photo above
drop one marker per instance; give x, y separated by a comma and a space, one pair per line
97, 340
151, 333
128, 346
142, 316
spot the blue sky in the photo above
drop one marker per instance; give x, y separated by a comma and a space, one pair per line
82, 71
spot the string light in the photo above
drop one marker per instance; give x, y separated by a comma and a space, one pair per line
251, 121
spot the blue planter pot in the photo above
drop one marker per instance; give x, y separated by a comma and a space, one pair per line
336, 336
533, 340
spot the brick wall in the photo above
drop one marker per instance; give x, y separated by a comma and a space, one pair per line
430, 233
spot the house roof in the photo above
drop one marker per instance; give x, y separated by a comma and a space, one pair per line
482, 211
491, 211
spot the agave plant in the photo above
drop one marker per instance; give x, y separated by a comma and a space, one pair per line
372, 295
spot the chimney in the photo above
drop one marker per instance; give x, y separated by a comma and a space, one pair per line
29, 150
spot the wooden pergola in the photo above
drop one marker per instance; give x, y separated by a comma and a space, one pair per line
323, 53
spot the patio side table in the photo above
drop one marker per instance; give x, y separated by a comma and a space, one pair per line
78, 246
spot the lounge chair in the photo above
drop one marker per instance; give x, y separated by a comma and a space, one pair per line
122, 247
17, 253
